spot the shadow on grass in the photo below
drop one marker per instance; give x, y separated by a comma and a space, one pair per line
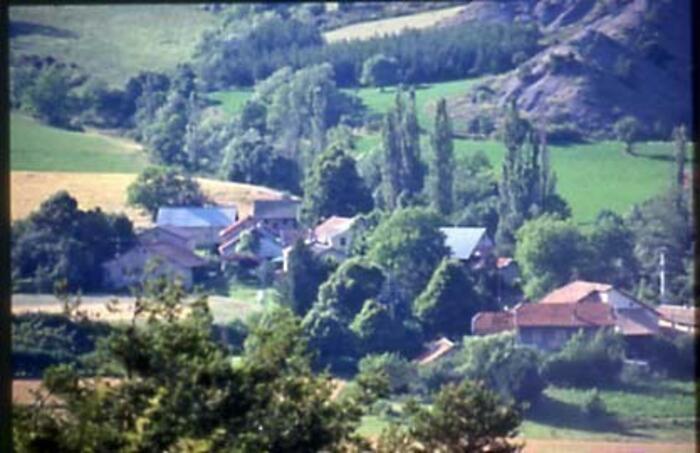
19, 28
654, 156
558, 414
650, 388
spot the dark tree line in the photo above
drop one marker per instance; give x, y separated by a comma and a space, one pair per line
61, 243
252, 53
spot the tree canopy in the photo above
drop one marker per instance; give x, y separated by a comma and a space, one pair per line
62, 243
550, 253
179, 390
409, 246
379, 71
158, 187
333, 187
448, 303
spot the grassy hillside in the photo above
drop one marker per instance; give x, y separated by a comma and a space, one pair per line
596, 176
37, 147
377, 101
113, 42
591, 176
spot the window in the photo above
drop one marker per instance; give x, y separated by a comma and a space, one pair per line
343, 242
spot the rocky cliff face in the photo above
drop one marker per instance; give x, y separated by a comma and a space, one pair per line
603, 60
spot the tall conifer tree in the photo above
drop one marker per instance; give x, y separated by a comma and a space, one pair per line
442, 169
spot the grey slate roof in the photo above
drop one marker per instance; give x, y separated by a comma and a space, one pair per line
275, 209
462, 241
195, 217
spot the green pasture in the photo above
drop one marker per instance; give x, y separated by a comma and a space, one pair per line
112, 42
658, 410
37, 147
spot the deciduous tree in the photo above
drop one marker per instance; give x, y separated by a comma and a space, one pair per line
333, 187
158, 187
409, 246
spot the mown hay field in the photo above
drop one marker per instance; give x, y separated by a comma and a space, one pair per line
108, 191
390, 26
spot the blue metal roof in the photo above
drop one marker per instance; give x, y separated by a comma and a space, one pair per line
195, 217
462, 240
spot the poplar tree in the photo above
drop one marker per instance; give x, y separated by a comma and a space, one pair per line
527, 186
402, 169
680, 141
442, 169
410, 134
391, 160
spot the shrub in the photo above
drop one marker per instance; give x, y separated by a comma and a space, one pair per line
564, 134
510, 369
42, 340
436, 374
585, 362
670, 357
402, 374
593, 405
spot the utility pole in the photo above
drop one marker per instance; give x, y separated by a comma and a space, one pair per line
662, 276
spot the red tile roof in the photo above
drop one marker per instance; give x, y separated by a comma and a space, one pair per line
574, 292
489, 322
503, 261
564, 315
235, 227
678, 314
435, 350
332, 226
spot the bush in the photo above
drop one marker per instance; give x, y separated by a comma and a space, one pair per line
510, 369
584, 362
42, 340
436, 374
564, 134
593, 405
402, 374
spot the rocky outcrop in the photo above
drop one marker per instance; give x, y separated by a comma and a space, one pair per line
604, 60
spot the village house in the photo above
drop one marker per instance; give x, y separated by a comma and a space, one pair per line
280, 216
170, 257
678, 319
273, 222
545, 326
579, 305
200, 225
269, 245
468, 244
329, 240
334, 232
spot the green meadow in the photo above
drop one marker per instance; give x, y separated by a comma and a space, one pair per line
37, 147
662, 410
659, 410
112, 42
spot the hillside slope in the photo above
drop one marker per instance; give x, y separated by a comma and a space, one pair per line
112, 42
603, 61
